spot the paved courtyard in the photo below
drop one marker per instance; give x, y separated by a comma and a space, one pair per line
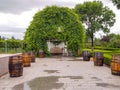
62, 74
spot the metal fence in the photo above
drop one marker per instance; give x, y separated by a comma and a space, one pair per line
10, 50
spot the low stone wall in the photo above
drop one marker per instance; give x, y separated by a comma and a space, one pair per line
4, 61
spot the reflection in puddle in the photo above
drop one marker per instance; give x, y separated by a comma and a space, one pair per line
45, 83
24, 86
42, 83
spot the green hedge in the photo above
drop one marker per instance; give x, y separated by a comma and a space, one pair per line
10, 50
107, 59
109, 49
108, 52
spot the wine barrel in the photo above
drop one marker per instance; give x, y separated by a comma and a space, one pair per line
98, 59
32, 55
115, 65
86, 55
15, 66
41, 53
26, 60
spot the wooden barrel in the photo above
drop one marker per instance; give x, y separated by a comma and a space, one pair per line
86, 55
98, 59
41, 53
32, 55
26, 60
115, 65
15, 66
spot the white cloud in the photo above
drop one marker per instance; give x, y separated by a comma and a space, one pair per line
116, 27
15, 15
14, 20
14, 24
18, 6
10, 34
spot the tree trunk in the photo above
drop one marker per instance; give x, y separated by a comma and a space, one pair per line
92, 44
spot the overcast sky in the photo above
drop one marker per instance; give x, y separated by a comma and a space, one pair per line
15, 15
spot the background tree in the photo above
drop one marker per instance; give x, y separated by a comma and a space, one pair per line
97, 42
96, 17
110, 41
11, 45
105, 40
114, 40
45, 26
2, 43
117, 3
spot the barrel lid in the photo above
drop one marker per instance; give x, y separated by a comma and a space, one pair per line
16, 56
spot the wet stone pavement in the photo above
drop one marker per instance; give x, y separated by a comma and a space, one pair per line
62, 73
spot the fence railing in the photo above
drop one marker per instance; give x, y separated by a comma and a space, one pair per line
10, 50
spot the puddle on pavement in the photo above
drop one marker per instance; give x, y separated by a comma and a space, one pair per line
45, 65
72, 60
51, 71
107, 85
95, 78
76, 60
44, 83
68, 65
73, 77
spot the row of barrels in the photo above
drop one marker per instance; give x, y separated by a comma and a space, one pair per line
98, 59
16, 63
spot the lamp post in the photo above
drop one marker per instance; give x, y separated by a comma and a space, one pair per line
22, 41
5, 45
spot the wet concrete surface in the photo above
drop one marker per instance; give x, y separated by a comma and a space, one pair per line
73, 77
108, 85
95, 78
42, 83
68, 74
51, 71
75, 60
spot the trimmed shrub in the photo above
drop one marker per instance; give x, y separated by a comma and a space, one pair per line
107, 59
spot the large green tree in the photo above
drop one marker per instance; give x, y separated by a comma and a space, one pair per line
54, 22
96, 17
117, 3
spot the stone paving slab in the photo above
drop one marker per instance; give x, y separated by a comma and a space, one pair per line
62, 74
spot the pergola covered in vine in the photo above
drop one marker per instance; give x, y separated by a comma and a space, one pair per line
51, 23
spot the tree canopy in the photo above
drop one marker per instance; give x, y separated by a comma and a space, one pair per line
54, 22
11, 43
96, 17
114, 40
117, 3
109, 41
